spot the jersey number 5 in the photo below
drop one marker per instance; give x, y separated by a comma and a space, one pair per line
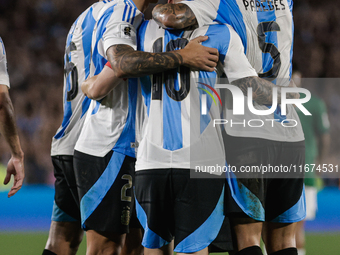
266, 47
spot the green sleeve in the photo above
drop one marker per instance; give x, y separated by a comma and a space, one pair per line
321, 121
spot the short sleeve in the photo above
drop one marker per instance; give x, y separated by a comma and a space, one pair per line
236, 64
204, 10
119, 25
4, 78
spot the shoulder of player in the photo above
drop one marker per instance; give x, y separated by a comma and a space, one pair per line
121, 8
316, 101
120, 5
150, 24
215, 29
219, 34
150, 27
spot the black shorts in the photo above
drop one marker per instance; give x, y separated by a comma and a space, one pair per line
171, 205
279, 199
105, 191
66, 207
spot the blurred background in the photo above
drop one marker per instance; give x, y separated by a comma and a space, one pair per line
34, 33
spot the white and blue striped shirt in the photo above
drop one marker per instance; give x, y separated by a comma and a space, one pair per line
266, 29
4, 78
175, 134
110, 122
76, 69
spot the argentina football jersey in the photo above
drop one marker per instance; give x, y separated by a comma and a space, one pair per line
110, 122
104, 155
176, 136
174, 126
4, 78
266, 29
77, 60
264, 25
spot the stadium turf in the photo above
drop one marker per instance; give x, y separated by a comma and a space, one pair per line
33, 243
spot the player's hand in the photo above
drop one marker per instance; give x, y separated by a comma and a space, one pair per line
199, 57
16, 168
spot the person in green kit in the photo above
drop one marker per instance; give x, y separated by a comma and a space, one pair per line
317, 140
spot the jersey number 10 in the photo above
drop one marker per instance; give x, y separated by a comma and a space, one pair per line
171, 75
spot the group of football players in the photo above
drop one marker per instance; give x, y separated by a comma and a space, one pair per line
133, 130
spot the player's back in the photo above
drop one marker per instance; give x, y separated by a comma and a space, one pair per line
269, 48
265, 27
270, 29
266, 31
76, 70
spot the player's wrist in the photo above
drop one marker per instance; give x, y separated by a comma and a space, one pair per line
19, 155
183, 57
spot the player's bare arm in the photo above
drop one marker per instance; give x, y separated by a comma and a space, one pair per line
8, 129
128, 63
262, 89
175, 16
100, 85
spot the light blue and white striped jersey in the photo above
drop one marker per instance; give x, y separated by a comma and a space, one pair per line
266, 29
77, 62
4, 78
110, 122
175, 134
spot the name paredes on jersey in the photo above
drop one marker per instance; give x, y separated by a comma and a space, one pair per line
264, 5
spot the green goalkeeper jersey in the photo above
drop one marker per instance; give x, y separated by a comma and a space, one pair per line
313, 126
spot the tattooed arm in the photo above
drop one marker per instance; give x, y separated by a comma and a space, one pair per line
128, 63
262, 89
8, 129
175, 16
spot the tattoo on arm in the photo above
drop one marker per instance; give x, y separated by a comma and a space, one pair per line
262, 89
128, 63
7, 124
176, 16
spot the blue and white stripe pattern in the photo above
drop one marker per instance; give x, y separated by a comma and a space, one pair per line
174, 128
245, 16
4, 78
110, 124
77, 69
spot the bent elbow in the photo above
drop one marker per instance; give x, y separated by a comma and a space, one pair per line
93, 93
169, 22
164, 20
120, 74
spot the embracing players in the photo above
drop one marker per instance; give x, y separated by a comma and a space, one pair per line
266, 31
105, 150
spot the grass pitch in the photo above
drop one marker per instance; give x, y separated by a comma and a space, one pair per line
32, 243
